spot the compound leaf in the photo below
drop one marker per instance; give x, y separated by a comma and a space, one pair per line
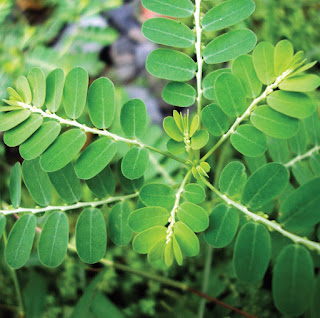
91, 235
252, 252
171, 65
264, 185
20, 241
37, 182
224, 221
168, 32
229, 46
95, 158
54, 238
226, 14
63, 150
119, 230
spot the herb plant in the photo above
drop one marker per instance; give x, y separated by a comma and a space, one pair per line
266, 188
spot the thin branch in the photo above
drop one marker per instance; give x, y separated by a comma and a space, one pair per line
161, 169
70, 207
269, 89
271, 225
302, 157
172, 218
96, 131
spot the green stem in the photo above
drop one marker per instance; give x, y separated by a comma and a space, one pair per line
96, 131
71, 207
16, 283
271, 225
269, 89
302, 157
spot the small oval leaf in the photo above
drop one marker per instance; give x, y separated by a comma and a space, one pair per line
179, 94
194, 193
54, 89
186, 239
134, 163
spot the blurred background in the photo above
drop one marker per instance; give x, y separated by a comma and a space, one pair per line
104, 37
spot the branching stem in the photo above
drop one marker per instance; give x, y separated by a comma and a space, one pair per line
271, 225
302, 157
70, 207
269, 89
96, 131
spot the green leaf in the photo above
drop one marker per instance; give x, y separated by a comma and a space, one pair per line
101, 102
230, 95
20, 241
119, 230
168, 32
156, 252
54, 238
102, 306
133, 118
3, 222
249, 141
264, 185
170, 8
95, 158
15, 186
300, 83
63, 150
37, 81
298, 143
232, 178
215, 120
40, 140
224, 221
75, 92
129, 185
171, 65
9, 108
254, 163
226, 14
229, 46
17, 135
194, 216
263, 60
102, 184
168, 254
177, 251
54, 89
156, 194
315, 305
301, 209
172, 129
194, 193
148, 217
278, 150
283, 55
37, 182
243, 68
199, 139
252, 252
175, 147
293, 104
293, 280
66, 184
12, 119
91, 235
145, 240
209, 81
134, 163
274, 124
23, 89
179, 94
13, 94
186, 239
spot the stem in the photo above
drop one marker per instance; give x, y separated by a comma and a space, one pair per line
16, 283
269, 89
271, 225
96, 131
172, 218
161, 169
302, 157
165, 281
71, 207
